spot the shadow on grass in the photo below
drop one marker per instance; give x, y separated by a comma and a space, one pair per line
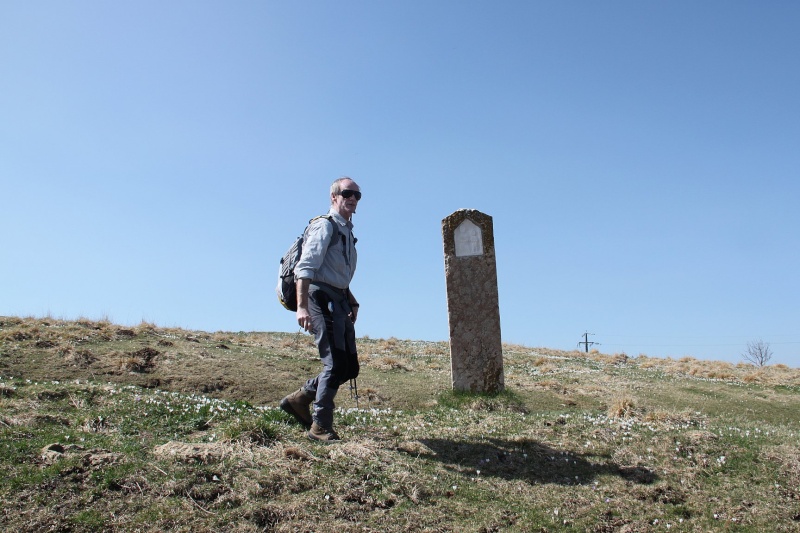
524, 460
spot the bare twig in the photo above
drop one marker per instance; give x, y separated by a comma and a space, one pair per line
198, 505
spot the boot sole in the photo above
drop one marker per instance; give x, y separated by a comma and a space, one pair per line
287, 407
323, 441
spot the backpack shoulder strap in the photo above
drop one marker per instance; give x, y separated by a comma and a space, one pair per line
330, 219
336, 231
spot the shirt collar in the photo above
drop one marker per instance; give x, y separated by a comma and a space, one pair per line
340, 219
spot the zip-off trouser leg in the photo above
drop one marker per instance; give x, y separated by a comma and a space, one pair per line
335, 337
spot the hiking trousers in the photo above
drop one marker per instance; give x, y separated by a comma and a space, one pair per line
335, 337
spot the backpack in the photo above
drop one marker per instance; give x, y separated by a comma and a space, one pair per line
287, 283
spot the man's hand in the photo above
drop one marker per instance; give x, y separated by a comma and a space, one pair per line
304, 319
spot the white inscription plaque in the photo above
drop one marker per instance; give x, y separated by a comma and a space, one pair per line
468, 239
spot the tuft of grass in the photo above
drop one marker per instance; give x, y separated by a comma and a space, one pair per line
622, 406
90, 520
259, 431
507, 400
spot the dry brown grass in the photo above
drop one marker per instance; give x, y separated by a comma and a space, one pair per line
612, 359
389, 363
722, 370
622, 406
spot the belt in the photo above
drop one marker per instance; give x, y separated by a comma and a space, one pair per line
334, 292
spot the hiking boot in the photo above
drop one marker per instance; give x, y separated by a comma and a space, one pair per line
322, 434
297, 404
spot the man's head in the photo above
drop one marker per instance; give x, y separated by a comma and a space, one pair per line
345, 195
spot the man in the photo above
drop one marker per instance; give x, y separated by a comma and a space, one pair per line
327, 309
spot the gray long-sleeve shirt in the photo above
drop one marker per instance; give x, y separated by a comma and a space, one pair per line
328, 255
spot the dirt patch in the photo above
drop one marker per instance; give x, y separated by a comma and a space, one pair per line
56, 451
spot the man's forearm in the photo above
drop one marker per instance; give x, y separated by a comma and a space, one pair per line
302, 293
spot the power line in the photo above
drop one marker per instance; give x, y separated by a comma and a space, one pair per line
668, 341
703, 337
684, 345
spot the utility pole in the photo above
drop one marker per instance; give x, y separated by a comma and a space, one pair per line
586, 342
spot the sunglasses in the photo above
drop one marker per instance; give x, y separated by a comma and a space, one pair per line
347, 193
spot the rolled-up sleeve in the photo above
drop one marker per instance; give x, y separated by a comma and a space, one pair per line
315, 244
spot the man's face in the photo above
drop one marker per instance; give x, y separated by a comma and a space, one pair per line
346, 206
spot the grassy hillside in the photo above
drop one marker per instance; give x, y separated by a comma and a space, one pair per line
111, 428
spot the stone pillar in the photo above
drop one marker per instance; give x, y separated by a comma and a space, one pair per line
476, 353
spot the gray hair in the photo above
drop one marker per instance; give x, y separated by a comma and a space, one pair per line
336, 186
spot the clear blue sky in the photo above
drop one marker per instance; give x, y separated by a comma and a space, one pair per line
639, 159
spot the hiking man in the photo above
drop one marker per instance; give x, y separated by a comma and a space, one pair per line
327, 309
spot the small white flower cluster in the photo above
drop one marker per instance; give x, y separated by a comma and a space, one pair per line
627, 425
10, 386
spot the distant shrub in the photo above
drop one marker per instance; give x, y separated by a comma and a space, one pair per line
758, 352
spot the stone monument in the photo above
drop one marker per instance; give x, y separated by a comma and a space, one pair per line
476, 354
